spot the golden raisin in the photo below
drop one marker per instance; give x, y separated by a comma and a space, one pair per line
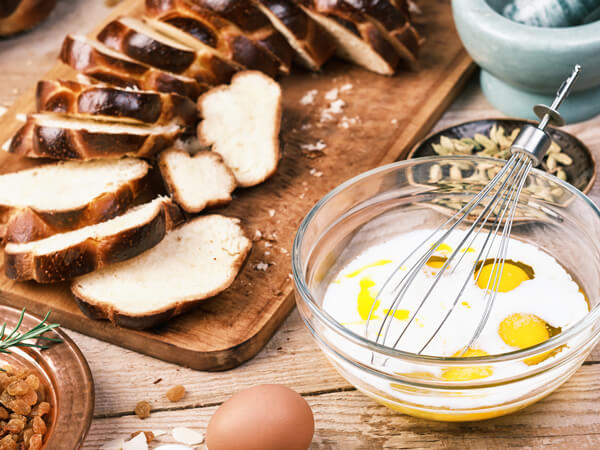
15, 426
19, 406
39, 426
142, 410
7, 443
30, 398
35, 443
41, 410
176, 393
27, 435
33, 382
149, 435
18, 388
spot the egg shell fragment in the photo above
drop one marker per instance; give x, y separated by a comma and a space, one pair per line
264, 417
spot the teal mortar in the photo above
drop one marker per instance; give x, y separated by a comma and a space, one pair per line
523, 65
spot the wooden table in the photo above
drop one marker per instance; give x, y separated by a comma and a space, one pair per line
345, 418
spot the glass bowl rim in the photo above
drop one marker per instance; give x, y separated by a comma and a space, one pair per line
323, 316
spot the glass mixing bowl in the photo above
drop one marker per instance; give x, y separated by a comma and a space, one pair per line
424, 192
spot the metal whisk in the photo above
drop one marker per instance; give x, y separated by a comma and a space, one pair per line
499, 199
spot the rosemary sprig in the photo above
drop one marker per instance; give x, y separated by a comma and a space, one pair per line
16, 339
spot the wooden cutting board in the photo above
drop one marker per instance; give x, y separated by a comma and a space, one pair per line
381, 118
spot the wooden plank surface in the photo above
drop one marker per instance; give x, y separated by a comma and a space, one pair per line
380, 118
569, 418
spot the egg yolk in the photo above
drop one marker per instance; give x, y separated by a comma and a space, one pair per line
400, 314
366, 299
381, 262
526, 330
511, 275
436, 262
469, 372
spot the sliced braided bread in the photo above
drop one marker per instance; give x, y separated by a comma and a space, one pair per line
68, 255
134, 38
204, 256
110, 103
57, 136
313, 46
46, 203
97, 61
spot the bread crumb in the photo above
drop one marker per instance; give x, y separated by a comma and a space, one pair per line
317, 146
332, 94
309, 97
271, 212
347, 122
335, 107
262, 266
315, 173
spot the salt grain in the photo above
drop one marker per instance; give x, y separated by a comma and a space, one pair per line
316, 147
309, 97
347, 122
315, 173
335, 107
332, 94
262, 266
271, 212
394, 121
346, 87
257, 235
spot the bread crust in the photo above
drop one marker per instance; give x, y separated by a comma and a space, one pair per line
29, 224
357, 23
206, 67
91, 254
21, 15
38, 141
212, 30
312, 45
246, 15
204, 141
393, 17
96, 309
174, 190
106, 102
124, 72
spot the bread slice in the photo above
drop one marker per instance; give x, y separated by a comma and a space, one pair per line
140, 42
111, 103
68, 255
198, 260
313, 46
241, 123
358, 39
61, 197
97, 61
197, 182
199, 28
56, 136
392, 17
248, 17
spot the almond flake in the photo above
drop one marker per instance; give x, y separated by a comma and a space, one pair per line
187, 436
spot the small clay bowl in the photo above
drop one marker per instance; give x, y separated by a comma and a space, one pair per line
581, 174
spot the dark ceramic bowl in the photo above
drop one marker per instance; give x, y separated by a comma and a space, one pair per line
581, 174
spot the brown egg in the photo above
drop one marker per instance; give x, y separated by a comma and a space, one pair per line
265, 417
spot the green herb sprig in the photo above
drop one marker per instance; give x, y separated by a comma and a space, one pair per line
16, 339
